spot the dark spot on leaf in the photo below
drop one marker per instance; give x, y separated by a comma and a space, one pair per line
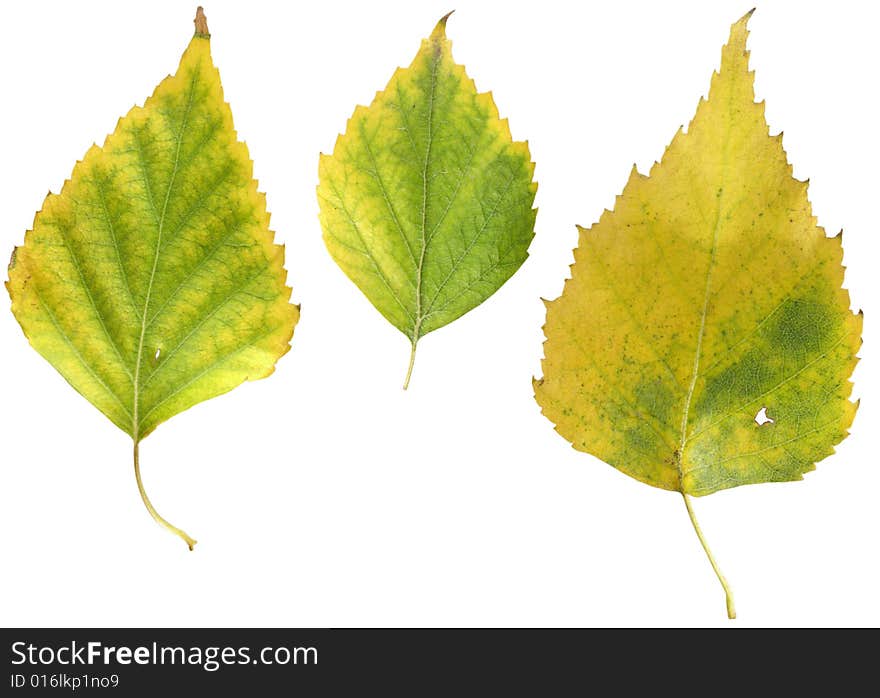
801, 325
640, 437
737, 384
656, 399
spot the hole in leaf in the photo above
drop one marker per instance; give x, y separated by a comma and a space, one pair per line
761, 418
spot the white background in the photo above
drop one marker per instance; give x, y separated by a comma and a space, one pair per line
326, 495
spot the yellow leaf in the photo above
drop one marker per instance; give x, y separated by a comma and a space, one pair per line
704, 340
151, 282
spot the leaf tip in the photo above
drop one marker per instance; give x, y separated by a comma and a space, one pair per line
739, 32
439, 32
201, 23
743, 21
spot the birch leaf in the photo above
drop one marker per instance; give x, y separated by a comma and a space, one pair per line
704, 339
151, 282
426, 201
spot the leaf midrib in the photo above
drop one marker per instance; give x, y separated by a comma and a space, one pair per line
135, 435
423, 232
700, 334
698, 353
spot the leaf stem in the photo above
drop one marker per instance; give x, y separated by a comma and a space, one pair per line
155, 514
412, 360
728, 592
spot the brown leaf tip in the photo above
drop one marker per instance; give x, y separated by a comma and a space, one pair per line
201, 23
439, 32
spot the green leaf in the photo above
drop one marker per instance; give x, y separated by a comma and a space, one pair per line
151, 282
426, 201
705, 302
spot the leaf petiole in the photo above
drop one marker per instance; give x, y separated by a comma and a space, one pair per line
412, 360
728, 592
155, 514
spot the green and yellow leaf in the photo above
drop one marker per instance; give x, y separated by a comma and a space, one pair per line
707, 295
426, 201
152, 282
